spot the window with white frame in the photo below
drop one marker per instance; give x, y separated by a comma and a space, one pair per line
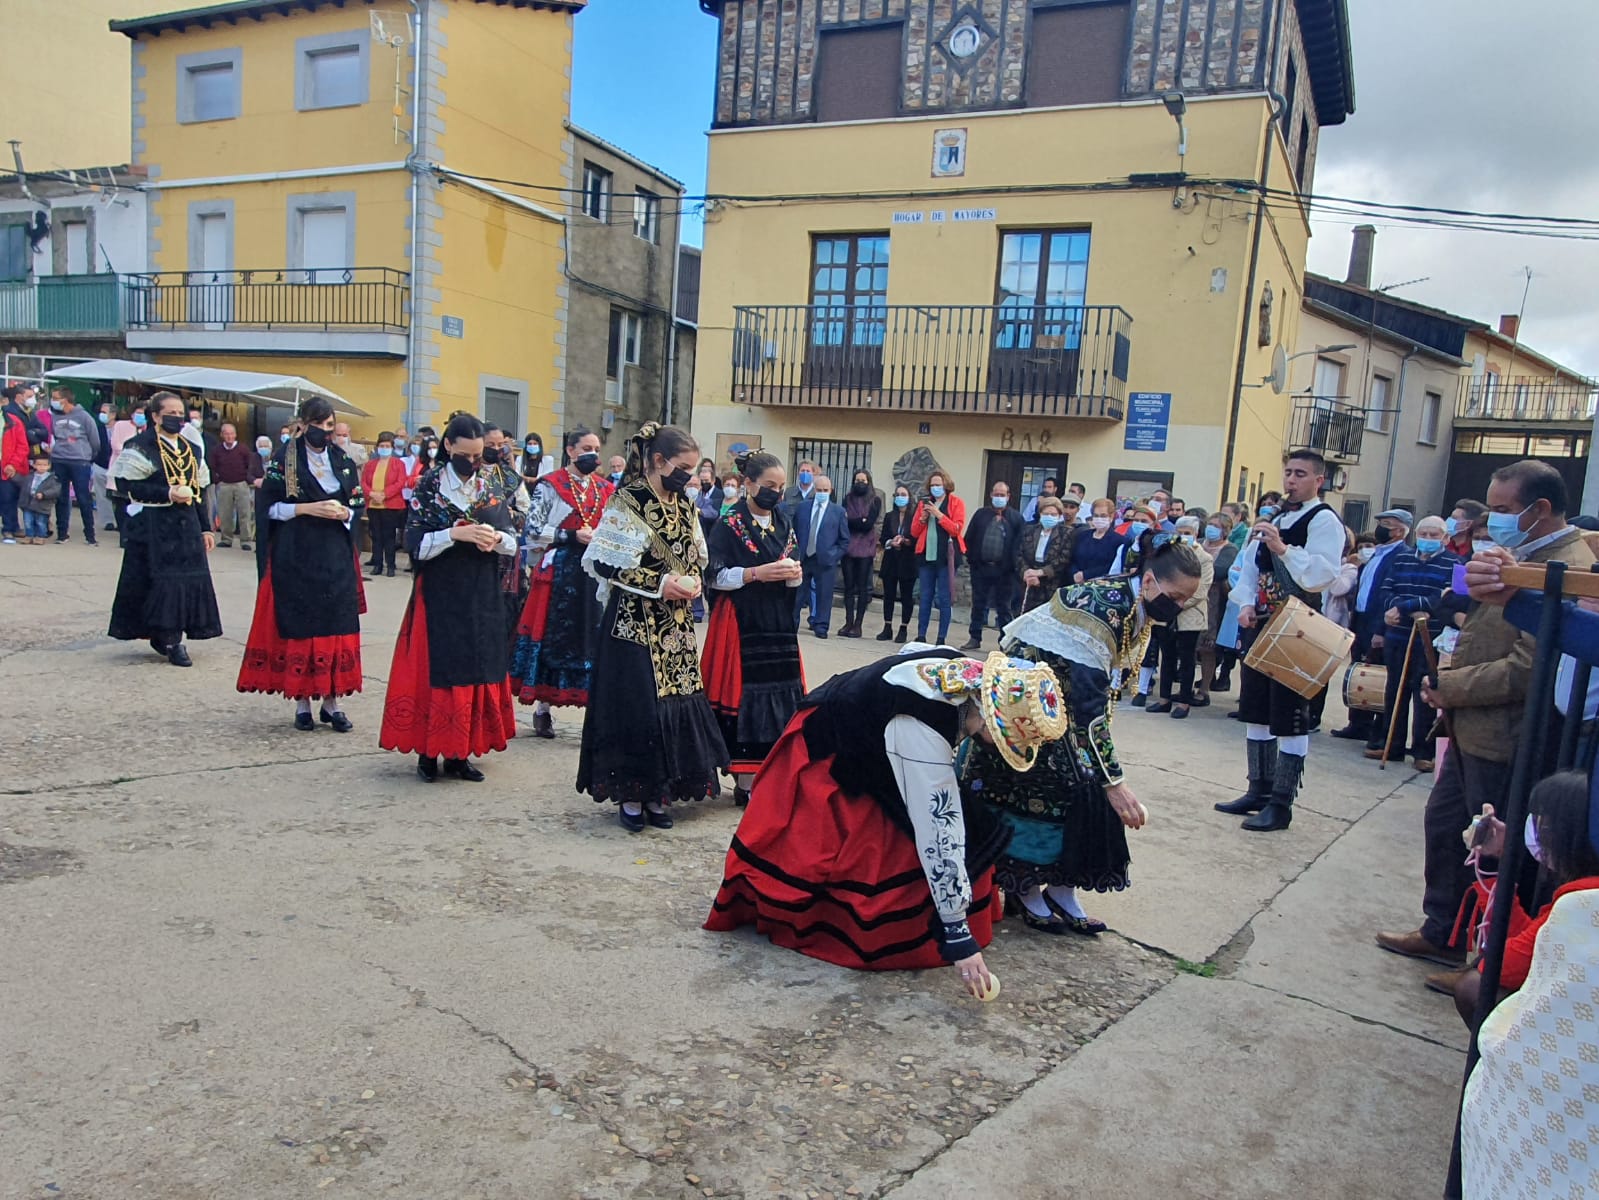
647, 215
208, 86
596, 192
627, 335
1379, 419
1431, 406
332, 70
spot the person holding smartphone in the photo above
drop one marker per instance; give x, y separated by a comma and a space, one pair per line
940, 518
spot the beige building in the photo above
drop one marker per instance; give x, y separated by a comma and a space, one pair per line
69, 103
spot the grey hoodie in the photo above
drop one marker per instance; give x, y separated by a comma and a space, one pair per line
77, 437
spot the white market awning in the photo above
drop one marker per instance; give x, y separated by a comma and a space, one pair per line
254, 385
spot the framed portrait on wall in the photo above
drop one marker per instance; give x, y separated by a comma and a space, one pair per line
1127, 486
730, 444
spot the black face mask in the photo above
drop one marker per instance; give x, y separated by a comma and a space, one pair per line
316, 437
677, 480
171, 423
491, 455
768, 498
1382, 535
1162, 608
463, 465
587, 464
860, 489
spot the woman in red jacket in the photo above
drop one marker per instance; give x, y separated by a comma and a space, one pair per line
383, 481
940, 517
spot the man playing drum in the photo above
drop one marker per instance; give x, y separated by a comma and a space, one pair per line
1296, 554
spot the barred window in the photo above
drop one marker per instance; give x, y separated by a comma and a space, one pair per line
837, 460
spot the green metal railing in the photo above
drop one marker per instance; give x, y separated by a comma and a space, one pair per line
63, 304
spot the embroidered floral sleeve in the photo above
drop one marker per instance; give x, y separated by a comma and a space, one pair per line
618, 549
923, 769
1090, 728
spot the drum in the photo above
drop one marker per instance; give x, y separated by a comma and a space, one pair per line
1300, 649
1365, 686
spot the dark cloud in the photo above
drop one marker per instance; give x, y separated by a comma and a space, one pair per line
1465, 104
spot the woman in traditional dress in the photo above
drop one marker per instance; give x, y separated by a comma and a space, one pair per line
751, 662
449, 687
649, 736
164, 593
305, 640
1068, 817
857, 847
559, 630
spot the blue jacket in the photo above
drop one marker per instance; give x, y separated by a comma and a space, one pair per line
832, 540
1412, 584
1369, 624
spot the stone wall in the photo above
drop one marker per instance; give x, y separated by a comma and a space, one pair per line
768, 57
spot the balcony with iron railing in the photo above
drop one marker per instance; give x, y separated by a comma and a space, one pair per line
63, 306
1494, 400
1328, 425
351, 311
1012, 360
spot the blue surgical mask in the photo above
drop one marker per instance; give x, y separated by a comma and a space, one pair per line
284, 438
1049, 520
823, 497
937, 490
901, 501
385, 451
1451, 526
140, 420
400, 445
1268, 511
806, 478
1213, 533
1139, 528
264, 451
1428, 545
999, 501
1506, 530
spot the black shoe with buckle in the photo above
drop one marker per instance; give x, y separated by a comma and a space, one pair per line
340, 722
459, 768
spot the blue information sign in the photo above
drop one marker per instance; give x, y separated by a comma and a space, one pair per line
1148, 418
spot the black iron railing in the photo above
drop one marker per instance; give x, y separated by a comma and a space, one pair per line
373, 299
1526, 398
1330, 426
1038, 360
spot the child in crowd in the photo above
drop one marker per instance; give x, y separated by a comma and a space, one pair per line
39, 501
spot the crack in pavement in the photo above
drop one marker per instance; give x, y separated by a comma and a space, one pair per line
1372, 1021
119, 780
567, 1091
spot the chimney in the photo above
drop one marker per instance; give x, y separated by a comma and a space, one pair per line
1510, 326
1360, 256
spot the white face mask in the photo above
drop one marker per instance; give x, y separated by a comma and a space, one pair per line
692, 491
1365, 553
730, 492
1099, 522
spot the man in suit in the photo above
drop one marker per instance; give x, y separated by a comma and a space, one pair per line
822, 534
1366, 621
802, 490
991, 538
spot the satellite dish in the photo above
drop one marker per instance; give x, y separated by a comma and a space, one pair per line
1279, 370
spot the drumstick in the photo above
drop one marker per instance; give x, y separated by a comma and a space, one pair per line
1393, 720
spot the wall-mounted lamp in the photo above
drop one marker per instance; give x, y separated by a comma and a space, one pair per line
1177, 105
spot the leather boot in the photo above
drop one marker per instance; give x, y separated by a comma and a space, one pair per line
1279, 811
888, 633
901, 635
1262, 774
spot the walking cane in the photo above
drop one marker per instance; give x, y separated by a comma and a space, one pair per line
1393, 719
1432, 673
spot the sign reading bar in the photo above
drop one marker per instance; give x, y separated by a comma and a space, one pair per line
1148, 419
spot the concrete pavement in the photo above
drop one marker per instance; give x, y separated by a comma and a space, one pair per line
249, 962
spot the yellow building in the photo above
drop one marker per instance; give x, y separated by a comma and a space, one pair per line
978, 230
317, 205
68, 110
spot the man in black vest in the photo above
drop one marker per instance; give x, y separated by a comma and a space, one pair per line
1297, 553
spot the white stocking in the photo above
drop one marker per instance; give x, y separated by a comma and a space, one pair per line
1066, 897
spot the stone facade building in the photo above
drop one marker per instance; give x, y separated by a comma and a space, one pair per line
623, 349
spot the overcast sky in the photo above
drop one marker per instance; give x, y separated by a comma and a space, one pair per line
1468, 104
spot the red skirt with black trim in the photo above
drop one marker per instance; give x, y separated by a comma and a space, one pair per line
299, 668
722, 668
453, 722
828, 874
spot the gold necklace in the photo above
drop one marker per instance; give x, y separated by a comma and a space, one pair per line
178, 463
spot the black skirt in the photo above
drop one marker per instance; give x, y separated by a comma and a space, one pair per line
164, 591
638, 746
